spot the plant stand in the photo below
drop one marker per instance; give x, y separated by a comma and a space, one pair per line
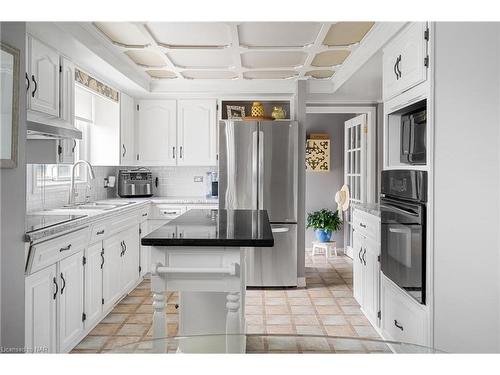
326, 248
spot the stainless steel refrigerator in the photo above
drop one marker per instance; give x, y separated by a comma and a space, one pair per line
258, 169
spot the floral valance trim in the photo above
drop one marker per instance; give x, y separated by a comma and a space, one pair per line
95, 85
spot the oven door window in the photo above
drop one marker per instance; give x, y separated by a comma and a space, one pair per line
402, 250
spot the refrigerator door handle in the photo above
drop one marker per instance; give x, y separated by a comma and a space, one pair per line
255, 169
279, 230
260, 193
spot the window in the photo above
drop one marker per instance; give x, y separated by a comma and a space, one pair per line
60, 174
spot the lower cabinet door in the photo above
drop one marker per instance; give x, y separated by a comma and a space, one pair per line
70, 308
145, 251
371, 280
93, 283
358, 267
130, 259
41, 290
111, 272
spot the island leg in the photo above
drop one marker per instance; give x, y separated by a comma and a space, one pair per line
159, 316
233, 324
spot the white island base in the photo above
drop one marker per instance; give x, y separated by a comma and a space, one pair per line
211, 286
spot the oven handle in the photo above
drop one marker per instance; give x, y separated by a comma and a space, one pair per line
394, 208
403, 231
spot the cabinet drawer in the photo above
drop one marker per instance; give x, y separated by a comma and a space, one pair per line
167, 212
49, 252
402, 318
123, 222
366, 224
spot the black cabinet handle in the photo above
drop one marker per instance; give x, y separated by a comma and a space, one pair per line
394, 68
173, 152
121, 244
64, 283
74, 146
100, 232
65, 248
144, 214
156, 181
102, 259
28, 82
36, 86
397, 66
57, 288
180, 152
398, 325
359, 254
124, 247
362, 225
124, 150
364, 256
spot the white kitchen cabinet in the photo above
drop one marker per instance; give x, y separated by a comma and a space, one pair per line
43, 72
127, 129
366, 264
156, 132
66, 151
111, 282
94, 256
405, 60
196, 132
41, 289
67, 91
70, 304
104, 133
130, 259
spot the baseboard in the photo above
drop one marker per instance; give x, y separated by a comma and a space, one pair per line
301, 282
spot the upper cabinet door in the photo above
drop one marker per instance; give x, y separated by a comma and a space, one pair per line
196, 132
67, 91
405, 60
156, 132
43, 64
127, 114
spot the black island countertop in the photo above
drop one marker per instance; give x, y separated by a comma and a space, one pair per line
230, 228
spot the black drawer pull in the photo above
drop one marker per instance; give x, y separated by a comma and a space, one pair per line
64, 283
65, 248
36, 86
362, 225
144, 215
398, 325
28, 82
100, 232
57, 288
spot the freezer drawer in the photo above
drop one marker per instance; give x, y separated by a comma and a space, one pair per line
276, 266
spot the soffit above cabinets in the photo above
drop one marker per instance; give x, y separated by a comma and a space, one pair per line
230, 50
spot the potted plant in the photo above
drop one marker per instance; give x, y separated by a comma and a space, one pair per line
324, 222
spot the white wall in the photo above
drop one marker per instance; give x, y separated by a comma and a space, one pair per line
322, 186
13, 208
467, 120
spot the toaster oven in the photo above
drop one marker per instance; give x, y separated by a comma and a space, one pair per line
135, 183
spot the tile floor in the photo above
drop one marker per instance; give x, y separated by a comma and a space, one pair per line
325, 307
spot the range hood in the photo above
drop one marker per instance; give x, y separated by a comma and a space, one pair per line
37, 130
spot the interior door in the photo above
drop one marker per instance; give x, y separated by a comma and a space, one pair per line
278, 149
44, 76
355, 173
156, 132
41, 289
238, 147
93, 283
70, 308
196, 132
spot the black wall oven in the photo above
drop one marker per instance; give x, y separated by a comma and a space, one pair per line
403, 210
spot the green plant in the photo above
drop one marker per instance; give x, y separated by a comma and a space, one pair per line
324, 219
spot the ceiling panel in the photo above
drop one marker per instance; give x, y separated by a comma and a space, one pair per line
161, 74
330, 58
207, 74
190, 34
278, 34
125, 34
232, 50
273, 59
346, 33
146, 58
270, 74
320, 74
201, 58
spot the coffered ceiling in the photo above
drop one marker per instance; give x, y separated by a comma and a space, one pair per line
226, 51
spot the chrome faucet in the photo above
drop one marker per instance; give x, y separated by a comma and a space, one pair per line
71, 199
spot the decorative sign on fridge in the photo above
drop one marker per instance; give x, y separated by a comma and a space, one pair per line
318, 153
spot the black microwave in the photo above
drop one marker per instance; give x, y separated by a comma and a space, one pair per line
413, 137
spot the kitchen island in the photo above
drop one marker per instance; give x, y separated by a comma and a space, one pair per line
201, 254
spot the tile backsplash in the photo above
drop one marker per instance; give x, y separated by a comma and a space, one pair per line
172, 182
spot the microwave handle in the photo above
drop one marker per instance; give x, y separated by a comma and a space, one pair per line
411, 135
393, 208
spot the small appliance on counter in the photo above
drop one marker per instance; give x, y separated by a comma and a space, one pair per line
212, 185
135, 183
